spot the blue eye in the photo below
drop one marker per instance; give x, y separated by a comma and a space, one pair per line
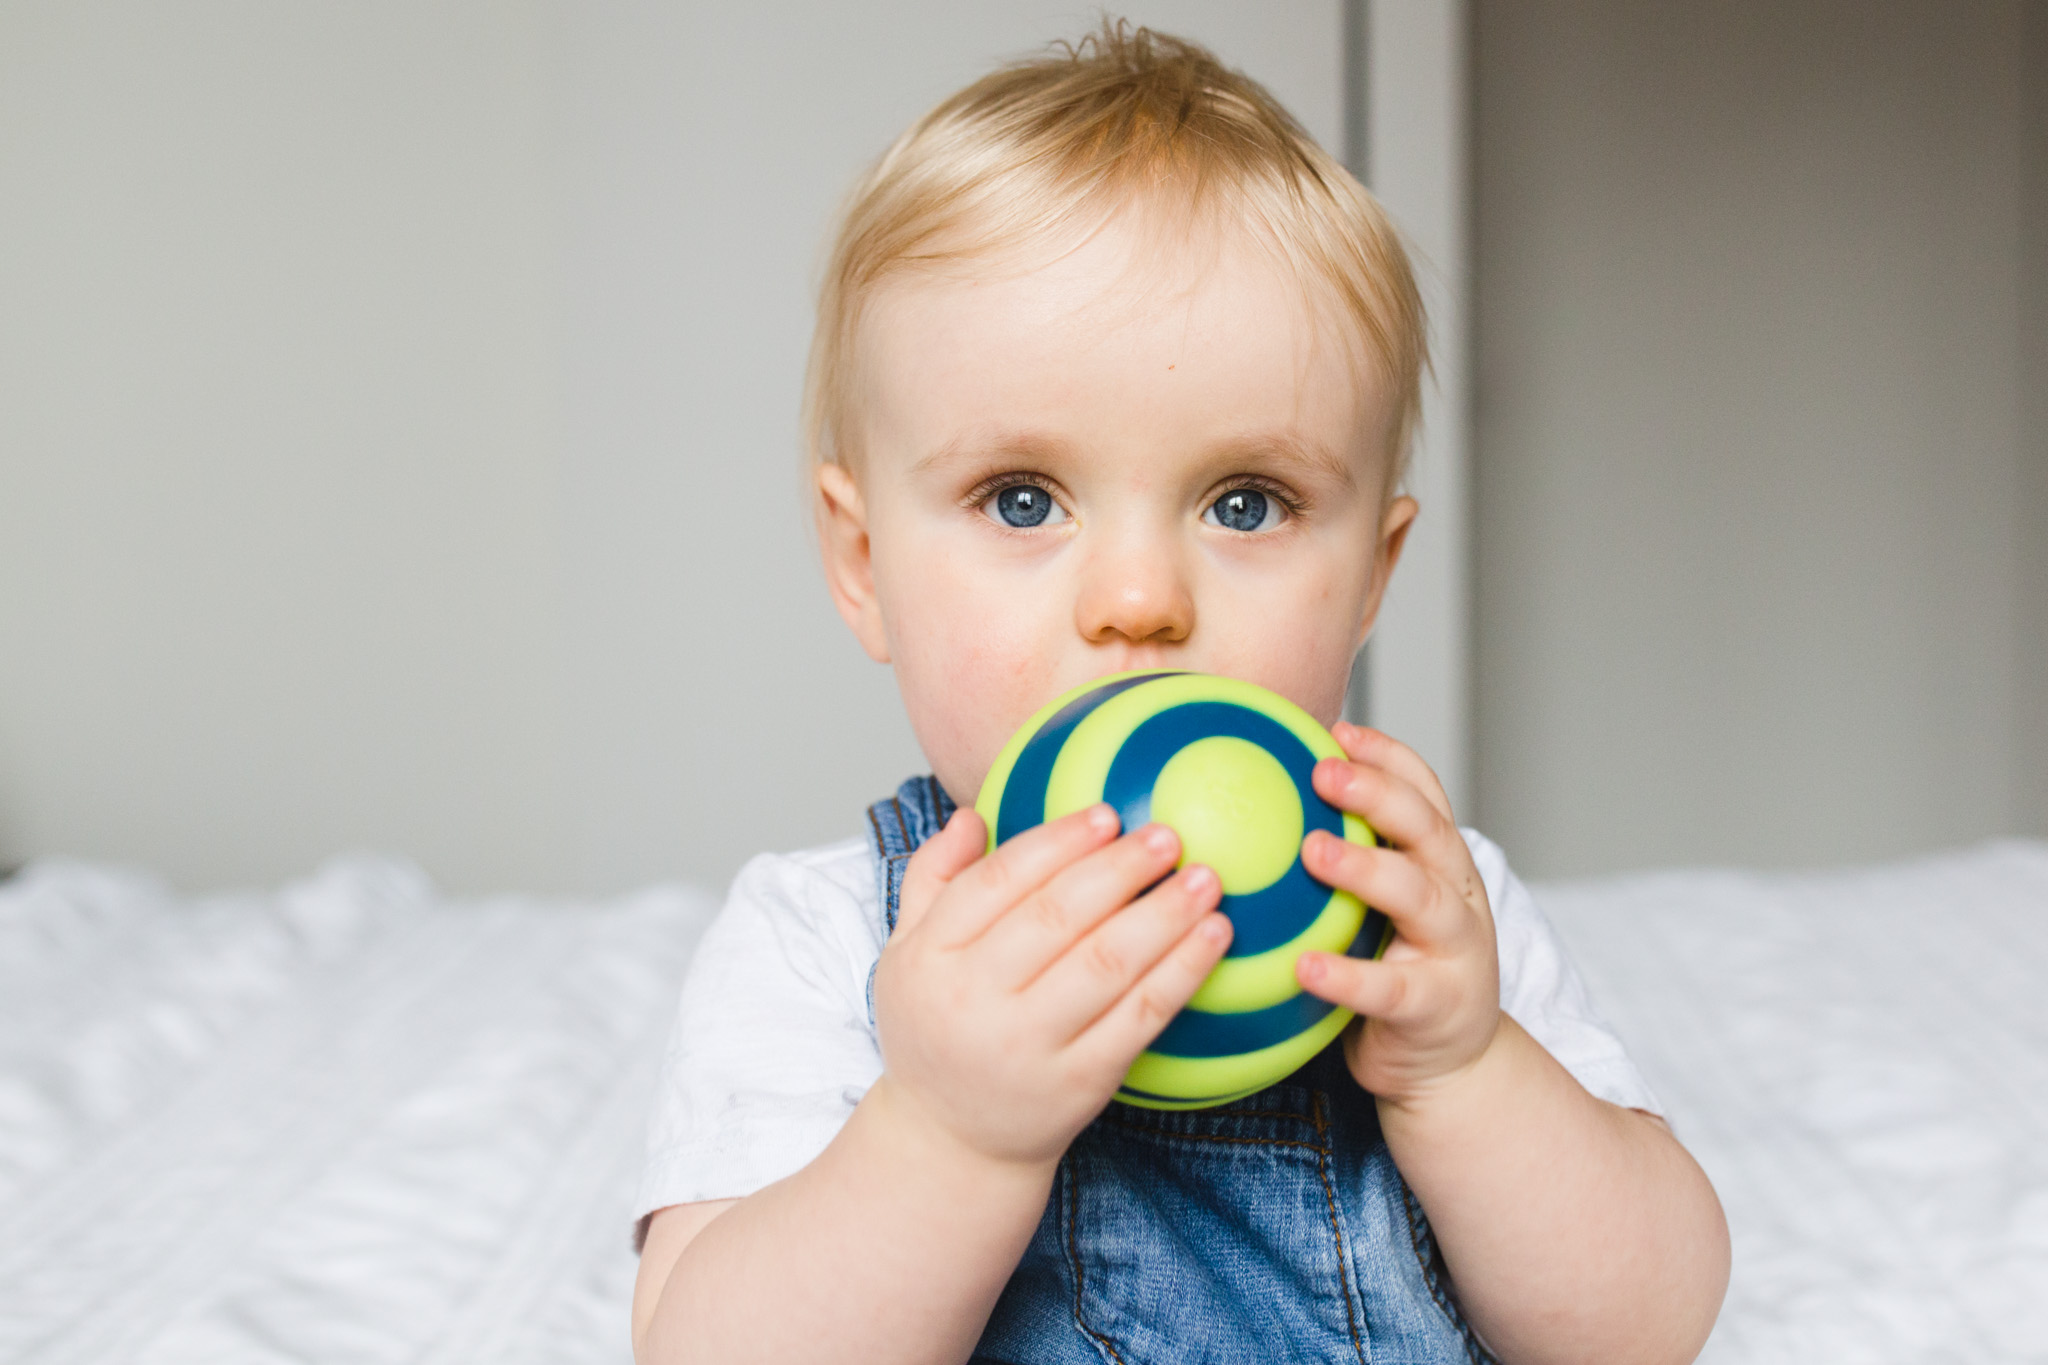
1243, 509
1024, 505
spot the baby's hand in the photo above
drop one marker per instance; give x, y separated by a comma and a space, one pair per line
1018, 988
1432, 1003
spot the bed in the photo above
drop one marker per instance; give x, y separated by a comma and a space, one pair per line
1860, 1061
354, 1120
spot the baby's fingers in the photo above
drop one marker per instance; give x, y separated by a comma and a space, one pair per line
985, 891
1391, 805
1095, 972
1128, 1027
933, 867
1397, 992
1390, 881
1366, 745
1047, 925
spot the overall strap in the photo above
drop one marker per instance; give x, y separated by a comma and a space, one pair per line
896, 827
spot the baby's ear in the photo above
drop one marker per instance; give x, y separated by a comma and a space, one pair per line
849, 563
1395, 524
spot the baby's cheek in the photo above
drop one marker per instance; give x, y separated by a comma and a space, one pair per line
1299, 638
1303, 661
967, 681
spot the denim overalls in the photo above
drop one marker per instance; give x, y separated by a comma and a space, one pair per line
1272, 1229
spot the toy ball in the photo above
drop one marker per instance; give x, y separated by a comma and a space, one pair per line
1226, 765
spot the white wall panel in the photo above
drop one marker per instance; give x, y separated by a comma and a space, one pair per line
1419, 662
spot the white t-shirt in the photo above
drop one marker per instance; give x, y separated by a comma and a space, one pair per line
773, 1047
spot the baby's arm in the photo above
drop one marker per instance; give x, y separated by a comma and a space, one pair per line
1575, 1230
891, 1245
1012, 997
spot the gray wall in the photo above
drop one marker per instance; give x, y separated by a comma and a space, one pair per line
1752, 520
280, 556
2033, 746
398, 436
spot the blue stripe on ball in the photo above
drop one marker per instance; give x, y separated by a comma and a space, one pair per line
1273, 914
1023, 803
1199, 1033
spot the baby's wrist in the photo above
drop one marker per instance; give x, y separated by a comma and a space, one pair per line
915, 1128
1457, 1089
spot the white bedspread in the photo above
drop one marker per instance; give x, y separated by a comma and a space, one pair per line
349, 1122
352, 1121
1860, 1061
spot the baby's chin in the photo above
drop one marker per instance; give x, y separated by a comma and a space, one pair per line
962, 783
958, 751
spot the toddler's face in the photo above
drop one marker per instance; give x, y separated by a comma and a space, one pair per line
1119, 458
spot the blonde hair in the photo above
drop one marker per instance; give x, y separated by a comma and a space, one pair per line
1066, 138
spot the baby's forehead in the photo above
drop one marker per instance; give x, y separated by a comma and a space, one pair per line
1130, 279
1123, 325
1135, 259
1151, 400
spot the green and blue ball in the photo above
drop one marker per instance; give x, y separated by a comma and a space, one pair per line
1226, 764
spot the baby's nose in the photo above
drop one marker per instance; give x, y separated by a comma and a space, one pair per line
1139, 595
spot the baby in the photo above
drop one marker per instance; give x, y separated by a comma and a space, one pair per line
1116, 369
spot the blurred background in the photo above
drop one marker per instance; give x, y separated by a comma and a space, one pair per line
398, 421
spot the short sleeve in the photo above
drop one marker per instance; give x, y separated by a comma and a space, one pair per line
1542, 991
772, 1047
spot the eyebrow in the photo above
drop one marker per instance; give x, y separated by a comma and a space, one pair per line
1276, 450
1287, 451
1027, 447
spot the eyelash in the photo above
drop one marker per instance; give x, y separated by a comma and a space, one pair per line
982, 494
996, 483
1290, 502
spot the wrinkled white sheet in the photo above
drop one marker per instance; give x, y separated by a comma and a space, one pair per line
1860, 1061
352, 1121
347, 1122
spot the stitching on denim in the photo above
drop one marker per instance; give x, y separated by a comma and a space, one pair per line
1218, 1113
1336, 1227
892, 862
1439, 1287
1265, 1114
893, 868
882, 869
1219, 1137
1074, 1259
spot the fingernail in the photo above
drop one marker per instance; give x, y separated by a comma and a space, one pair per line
1199, 880
1102, 818
1216, 928
1159, 838
1308, 968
